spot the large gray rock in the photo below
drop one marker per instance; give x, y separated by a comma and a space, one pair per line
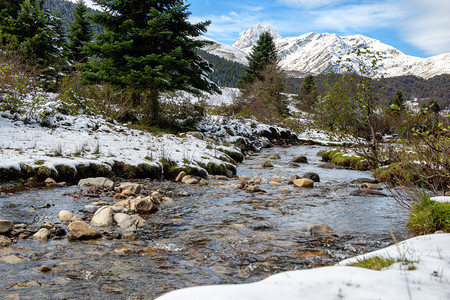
5, 226
97, 182
80, 230
103, 217
42, 235
131, 186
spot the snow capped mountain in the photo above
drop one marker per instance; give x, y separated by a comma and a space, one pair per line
225, 51
249, 37
314, 53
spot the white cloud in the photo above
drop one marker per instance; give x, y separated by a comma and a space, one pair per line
227, 27
308, 3
428, 25
359, 17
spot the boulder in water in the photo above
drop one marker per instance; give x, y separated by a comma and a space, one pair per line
80, 230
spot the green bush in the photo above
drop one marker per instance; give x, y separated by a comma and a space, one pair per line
429, 216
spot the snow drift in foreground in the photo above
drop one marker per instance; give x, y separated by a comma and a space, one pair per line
421, 272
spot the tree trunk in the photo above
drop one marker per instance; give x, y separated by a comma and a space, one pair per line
153, 106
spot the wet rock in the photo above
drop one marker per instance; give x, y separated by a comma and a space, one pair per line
133, 187
274, 156
284, 190
324, 233
5, 241
50, 182
203, 182
267, 164
42, 235
304, 183
319, 153
294, 165
180, 176
365, 192
80, 230
254, 189
300, 159
5, 226
127, 193
266, 144
144, 205
293, 178
102, 182
276, 183
277, 179
44, 269
256, 180
329, 165
363, 180
244, 177
67, 216
156, 195
103, 217
371, 186
90, 208
222, 177
189, 179
313, 176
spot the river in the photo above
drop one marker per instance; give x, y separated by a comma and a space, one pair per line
215, 235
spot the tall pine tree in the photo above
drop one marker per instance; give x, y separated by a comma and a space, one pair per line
34, 34
148, 46
263, 54
80, 33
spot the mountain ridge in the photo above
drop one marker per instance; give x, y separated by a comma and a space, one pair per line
318, 53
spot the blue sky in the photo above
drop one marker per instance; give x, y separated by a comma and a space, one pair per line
415, 27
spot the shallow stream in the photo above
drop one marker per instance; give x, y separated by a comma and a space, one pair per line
216, 235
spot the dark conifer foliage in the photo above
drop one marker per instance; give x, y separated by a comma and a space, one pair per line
225, 72
148, 46
80, 33
263, 54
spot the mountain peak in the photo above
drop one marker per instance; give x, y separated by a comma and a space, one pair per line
249, 37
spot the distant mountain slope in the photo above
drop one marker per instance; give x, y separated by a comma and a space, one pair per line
314, 53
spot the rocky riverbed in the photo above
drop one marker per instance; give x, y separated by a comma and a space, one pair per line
284, 211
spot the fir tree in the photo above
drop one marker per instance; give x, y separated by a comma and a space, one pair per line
148, 46
398, 102
263, 54
308, 93
80, 33
36, 35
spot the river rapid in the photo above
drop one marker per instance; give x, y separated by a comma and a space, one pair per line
213, 234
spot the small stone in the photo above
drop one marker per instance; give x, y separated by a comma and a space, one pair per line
267, 164
203, 182
300, 159
133, 187
5, 226
304, 183
102, 182
50, 181
157, 195
222, 177
323, 233
42, 235
277, 179
256, 180
274, 156
127, 193
44, 269
144, 205
5, 241
189, 180
103, 217
293, 178
65, 216
167, 201
284, 191
180, 176
80, 230
371, 186
276, 183
313, 176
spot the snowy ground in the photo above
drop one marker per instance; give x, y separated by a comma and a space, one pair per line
421, 272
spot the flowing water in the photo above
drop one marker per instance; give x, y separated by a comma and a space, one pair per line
216, 235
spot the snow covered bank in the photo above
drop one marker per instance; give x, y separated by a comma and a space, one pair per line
421, 272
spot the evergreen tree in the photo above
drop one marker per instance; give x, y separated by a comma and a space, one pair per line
36, 35
80, 33
308, 94
431, 106
398, 102
148, 46
263, 53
